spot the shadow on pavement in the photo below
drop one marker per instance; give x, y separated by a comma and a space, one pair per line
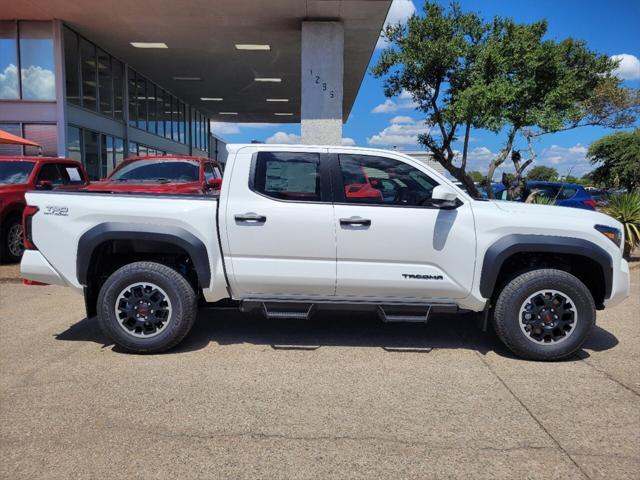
344, 329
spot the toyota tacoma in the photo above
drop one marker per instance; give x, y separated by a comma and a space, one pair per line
297, 229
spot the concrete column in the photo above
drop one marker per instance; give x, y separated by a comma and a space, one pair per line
321, 81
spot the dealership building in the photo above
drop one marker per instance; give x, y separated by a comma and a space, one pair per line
101, 80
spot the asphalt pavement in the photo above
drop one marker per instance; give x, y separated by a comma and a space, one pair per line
340, 396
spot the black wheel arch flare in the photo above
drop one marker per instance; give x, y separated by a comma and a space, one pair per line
509, 245
170, 235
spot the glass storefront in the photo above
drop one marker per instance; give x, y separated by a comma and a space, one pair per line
99, 153
27, 47
44, 134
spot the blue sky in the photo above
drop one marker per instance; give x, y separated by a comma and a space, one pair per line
608, 27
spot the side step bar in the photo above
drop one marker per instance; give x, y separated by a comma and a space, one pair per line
303, 310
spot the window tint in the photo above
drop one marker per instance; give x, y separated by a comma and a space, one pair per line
210, 171
567, 192
9, 60
159, 170
379, 180
50, 173
14, 173
36, 61
288, 176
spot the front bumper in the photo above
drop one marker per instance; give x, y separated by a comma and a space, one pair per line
35, 267
620, 285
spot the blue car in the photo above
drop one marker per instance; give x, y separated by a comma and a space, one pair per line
565, 194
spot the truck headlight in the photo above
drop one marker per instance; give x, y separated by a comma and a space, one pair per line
611, 233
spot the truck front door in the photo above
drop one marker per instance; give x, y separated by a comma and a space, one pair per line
393, 243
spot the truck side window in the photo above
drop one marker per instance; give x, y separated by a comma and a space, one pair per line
209, 172
380, 180
288, 175
50, 173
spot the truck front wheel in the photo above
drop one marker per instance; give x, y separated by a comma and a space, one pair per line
544, 314
146, 307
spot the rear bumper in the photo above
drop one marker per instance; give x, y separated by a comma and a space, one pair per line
620, 285
35, 267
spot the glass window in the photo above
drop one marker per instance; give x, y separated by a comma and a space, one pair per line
142, 101
118, 92
209, 172
133, 98
50, 173
71, 66
44, 135
143, 150
133, 149
181, 122
15, 172
91, 155
106, 155
74, 151
151, 106
118, 150
88, 71
165, 170
7, 149
160, 111
167, 114
36, 61
71, 175
8, 61
288, 176
567, 192
104, 83
175, 132
379, 180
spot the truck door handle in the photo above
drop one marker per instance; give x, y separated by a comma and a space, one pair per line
355, 221
250, 218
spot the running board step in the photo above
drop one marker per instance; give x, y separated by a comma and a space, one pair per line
278, 310
396, 313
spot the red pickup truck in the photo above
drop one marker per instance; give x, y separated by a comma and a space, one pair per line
166, 174
19, 175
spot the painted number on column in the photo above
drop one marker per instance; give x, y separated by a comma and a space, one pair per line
317, 79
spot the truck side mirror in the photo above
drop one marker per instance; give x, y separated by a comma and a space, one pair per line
214, 183
444, 197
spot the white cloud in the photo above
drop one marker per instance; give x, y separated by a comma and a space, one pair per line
38, 83
283, 137
567, 160
401, 131
230, 128
404, 102
9, 82
399, 12
628, 68
294, 139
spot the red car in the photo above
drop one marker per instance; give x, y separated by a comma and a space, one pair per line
17, 176
171, 174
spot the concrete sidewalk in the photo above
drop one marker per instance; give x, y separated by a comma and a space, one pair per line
342, 396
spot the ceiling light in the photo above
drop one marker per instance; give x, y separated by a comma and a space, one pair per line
251, 46
149, 45
187, 79
277, 99
227, 113
267, 79
283, 114
211, 99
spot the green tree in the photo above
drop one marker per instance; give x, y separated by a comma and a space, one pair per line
542, 173
617, 157
465, 73
476, 176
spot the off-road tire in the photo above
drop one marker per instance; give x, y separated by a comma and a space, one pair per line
182, 298
513, 296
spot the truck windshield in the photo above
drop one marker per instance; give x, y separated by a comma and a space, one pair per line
158, 170
13, 173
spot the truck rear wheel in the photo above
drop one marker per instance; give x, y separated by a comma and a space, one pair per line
12, 248
544, 314
146, 307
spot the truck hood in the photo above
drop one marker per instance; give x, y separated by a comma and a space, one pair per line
128, 187
570, 214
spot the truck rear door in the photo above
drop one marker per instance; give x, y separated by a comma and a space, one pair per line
276, 223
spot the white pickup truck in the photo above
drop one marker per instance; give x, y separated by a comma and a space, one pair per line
296, 229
